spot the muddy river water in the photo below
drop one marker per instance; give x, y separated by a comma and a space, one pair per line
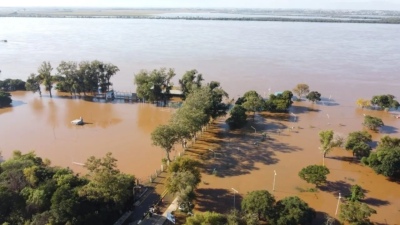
342, 61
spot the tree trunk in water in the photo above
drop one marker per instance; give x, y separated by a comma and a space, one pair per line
169, 160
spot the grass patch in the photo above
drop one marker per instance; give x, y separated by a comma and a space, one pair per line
307, 189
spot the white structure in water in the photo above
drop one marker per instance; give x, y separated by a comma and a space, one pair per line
78, 121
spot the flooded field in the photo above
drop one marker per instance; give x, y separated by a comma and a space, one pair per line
334, 59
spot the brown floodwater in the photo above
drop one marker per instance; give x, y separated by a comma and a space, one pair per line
341, 61
44, 125
245, 167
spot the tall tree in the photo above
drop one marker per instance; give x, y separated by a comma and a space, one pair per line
68, 77
237, 117
356, 193
329, 140
314, 174
165, 137
280, 102
253, 102
45, 76
260, 203
301, 90
33, 84
190, 80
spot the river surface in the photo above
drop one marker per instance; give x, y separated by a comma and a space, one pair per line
344, 62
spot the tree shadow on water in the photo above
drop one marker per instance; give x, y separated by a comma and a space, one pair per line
388, 130
336, 187
324, 218
217, 200
376, 202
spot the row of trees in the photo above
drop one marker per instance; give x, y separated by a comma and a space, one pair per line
259, 206
72, 77
12, 85
33, 192
202, 103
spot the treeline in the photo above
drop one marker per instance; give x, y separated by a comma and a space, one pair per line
12, 85
202, 103
33, 192
385, 20
72, 77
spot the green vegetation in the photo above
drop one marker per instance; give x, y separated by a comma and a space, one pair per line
200, 106
386, 159
385, 102
12, 85
355, 212
329, 140
357, 142
238, 117
252, 102
293, 211
301, 90
5, 99
357, 193
190, 81
259, 203
183, 178
314, 96
85, 77
314, 174
372, 123
206, 218
363, 103
154, 85
33, 192
279, 102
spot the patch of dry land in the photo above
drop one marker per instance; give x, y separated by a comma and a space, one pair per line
246, 163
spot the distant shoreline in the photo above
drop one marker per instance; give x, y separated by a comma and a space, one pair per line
394, 20
269, 15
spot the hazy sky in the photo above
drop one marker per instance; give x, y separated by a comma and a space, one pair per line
315, 4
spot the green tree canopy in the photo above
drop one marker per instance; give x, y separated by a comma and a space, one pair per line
355, 212
45, 77
373, 123
33, 84
190, 80
253, 102
165, 137
206, 218
154, 85
280, 102
5, 99
293, 211
385, 102
260, 203
389, 142
238, 117
314, 174
12, 85
356, 193
329, 140
386, 161
314, 96
357, 142
301, 90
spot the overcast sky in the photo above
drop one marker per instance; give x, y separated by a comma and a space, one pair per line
314, 4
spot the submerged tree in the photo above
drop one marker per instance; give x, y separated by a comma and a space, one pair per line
293, 211
5, 99
314, 174
253, 102
238, 117
301, 90
33, 84
329, 140
314, 96
260, 203
355, 212
373, 123
45, 77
